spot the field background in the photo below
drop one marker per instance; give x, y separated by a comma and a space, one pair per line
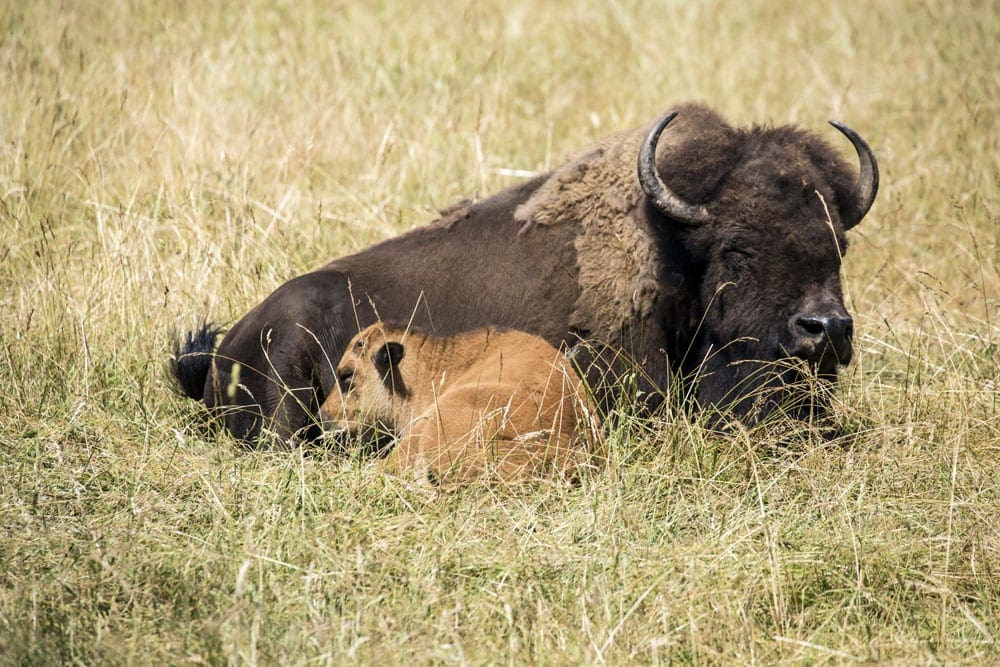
163, 162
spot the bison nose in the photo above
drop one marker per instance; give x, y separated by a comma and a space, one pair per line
819, 337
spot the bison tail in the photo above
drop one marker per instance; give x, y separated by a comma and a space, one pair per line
192, 360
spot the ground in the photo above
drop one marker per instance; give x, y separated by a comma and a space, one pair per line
165, 162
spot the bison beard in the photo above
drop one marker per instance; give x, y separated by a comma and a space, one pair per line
714, 265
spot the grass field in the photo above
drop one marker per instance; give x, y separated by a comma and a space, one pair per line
163, 162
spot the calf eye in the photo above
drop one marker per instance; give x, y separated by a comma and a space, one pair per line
345, 379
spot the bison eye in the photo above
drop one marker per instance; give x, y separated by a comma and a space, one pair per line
737, 260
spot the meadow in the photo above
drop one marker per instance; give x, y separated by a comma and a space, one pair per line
162, 163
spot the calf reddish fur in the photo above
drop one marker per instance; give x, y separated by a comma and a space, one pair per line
493, 404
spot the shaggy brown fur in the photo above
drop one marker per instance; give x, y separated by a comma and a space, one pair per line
616, 249
503, 404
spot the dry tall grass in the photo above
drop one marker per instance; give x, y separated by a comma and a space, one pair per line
161, 162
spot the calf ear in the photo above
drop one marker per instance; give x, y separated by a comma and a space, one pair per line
388, 357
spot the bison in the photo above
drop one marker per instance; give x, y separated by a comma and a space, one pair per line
485, 403
710, 254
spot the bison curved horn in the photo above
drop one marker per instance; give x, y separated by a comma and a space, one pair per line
867, 185
663, 199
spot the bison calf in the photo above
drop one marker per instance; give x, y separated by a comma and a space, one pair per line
486, 403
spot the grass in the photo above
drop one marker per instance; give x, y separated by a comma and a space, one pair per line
163, 162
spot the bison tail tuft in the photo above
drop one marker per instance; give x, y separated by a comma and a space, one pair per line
192, 360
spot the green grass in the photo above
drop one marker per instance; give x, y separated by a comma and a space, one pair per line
161, 162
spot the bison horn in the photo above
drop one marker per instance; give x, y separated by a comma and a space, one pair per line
663, 199
867, 185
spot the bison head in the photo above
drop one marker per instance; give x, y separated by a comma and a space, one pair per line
760, 216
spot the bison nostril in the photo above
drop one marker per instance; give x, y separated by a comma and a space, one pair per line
811, 325
818, 337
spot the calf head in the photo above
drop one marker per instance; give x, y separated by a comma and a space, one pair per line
763, 228
369, 390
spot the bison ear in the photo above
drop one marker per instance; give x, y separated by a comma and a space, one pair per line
388, 356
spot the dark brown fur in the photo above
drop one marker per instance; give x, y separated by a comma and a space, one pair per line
581, 254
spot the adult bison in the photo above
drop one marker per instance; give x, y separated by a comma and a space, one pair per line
717, 259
